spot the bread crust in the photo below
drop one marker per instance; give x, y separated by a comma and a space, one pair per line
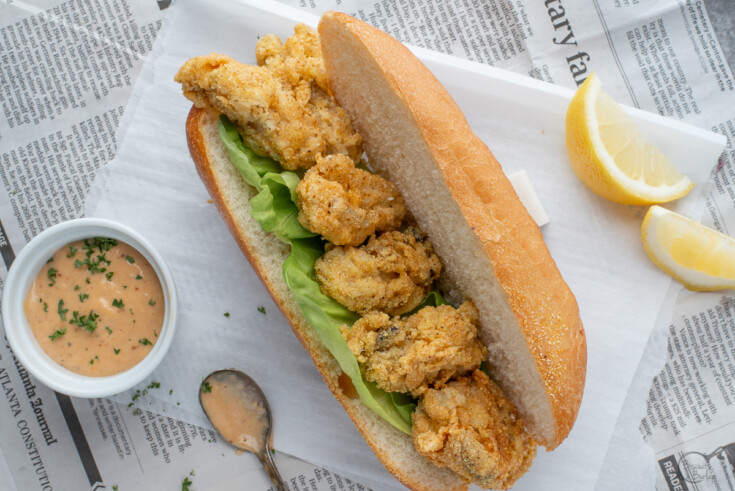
545, 308
392, 447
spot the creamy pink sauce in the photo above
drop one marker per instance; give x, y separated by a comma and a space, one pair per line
240, 420
96, 314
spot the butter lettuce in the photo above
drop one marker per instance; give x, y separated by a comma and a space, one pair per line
274, 207
327, 316
252, 167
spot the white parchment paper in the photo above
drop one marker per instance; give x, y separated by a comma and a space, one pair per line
152, 186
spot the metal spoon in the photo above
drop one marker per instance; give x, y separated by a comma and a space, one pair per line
239, 411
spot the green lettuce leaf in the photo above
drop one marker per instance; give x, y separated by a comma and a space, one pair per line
327, 316
252, 167
274, 207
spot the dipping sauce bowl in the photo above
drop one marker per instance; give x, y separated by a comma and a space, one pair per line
23, 272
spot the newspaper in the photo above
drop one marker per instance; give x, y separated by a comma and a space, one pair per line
66, 72
689, 418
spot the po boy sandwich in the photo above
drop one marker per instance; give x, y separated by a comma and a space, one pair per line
389, 237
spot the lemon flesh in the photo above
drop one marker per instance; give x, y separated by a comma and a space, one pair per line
611, 157
700, 258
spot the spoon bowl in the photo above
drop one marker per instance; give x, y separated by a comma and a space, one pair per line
239, 411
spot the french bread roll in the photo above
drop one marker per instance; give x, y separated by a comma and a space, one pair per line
492, 251
416, 136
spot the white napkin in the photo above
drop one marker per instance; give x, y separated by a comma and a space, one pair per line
152, 186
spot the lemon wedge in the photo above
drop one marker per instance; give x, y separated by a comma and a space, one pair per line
611, 157
700, 258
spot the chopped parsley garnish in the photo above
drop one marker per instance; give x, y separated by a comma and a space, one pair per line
117, 302
109, 275
138, 277
77, 288
145, 342
86, 280
130, 259
87, 322
61, 310
91, 362
205, 387
72, 250
261, 310
103, 244
117, 351
227, 314
107, 328
45, 307
57, 334
137, 411
114, 488
93, 266
154, 385
151, 302
83, 297
51, 274
185, 484
98, 263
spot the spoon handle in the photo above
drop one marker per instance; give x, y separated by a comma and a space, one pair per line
270, 467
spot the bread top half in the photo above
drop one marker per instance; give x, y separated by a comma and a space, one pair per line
493, 252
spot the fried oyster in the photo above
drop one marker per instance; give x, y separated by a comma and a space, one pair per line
282, 107
470, 427
424, 350
392, 273
346, 205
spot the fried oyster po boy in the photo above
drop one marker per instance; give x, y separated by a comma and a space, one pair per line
353, 252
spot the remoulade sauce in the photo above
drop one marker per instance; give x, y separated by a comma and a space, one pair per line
241, 420
96, 307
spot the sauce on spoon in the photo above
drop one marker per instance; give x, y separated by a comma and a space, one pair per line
239, 411
241, 419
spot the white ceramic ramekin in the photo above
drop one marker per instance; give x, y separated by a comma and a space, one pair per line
23, 272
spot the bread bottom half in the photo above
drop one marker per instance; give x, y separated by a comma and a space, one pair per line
266, 254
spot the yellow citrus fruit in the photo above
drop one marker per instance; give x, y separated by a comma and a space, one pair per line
611, 157
700, 258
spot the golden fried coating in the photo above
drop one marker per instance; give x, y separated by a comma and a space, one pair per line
470, 427
392, 273
281, 108
410, 355
297, 60
346, 205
